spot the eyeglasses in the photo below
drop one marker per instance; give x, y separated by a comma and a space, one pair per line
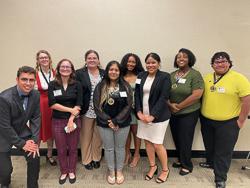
65, 67
222, 62
26, 80
41, 58
94, 58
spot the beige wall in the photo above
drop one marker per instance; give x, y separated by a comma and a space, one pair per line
68, 28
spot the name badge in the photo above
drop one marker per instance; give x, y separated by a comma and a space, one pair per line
57, 92
123, 94
182, 81
221, 90
51, 79
138, 81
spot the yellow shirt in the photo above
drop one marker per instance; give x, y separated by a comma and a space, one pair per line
224, 103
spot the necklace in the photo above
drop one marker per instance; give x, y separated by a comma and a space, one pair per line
111, 101
213, 87
174, 86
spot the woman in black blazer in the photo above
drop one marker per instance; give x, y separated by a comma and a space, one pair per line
90, 140
151, 95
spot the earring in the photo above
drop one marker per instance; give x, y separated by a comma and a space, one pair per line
86, 65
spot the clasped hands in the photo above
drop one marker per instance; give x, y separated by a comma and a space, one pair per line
112, 126
75, 111
32, 147
173, 108
145, 119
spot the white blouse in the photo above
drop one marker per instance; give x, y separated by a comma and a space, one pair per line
49, 77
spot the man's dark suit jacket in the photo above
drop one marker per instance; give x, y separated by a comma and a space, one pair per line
13, 119
82, 76
158, 96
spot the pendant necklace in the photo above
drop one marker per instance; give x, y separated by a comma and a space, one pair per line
111, 101
174, 86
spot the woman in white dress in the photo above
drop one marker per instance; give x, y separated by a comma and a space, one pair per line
151, 95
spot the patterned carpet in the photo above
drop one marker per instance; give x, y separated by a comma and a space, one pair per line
134, 177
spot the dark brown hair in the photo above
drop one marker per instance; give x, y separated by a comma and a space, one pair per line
26, 69
72, 77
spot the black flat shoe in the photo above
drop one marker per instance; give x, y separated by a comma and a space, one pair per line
72, 180
183, 173
155, 173
54, 163
175, 165
160, 180
220, 184
89, 166
205, 165
96, 164
4, 186
62, 181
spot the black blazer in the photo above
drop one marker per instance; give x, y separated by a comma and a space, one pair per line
83, 77
13, 119
158, 96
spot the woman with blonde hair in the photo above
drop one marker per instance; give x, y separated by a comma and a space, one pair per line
44, 75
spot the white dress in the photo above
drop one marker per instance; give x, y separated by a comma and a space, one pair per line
153, 132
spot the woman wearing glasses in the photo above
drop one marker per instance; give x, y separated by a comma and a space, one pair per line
90, 140
184, 104
44, 75
112, 102
65, 98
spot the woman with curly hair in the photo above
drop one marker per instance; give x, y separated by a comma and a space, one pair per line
131, 66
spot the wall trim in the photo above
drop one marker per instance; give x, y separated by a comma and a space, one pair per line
171, 153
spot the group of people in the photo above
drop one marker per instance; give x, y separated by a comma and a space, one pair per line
105, 108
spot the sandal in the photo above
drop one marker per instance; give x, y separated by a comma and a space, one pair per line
160, 180
112, 178
155, 173
135, 161
119, 178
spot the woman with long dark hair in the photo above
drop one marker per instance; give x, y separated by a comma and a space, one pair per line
112, 102
131, 66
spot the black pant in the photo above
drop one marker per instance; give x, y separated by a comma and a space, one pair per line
182, 128
219, 139
33, 167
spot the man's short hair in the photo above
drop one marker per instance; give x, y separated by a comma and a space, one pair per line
26, 69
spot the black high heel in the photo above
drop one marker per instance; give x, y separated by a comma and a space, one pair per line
155, 173
54, 163
160, 180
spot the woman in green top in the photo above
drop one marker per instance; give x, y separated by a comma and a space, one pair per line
184, 104
131, 66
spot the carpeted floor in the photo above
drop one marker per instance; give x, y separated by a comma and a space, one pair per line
134, 177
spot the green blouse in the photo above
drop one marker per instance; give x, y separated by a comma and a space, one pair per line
192, 81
